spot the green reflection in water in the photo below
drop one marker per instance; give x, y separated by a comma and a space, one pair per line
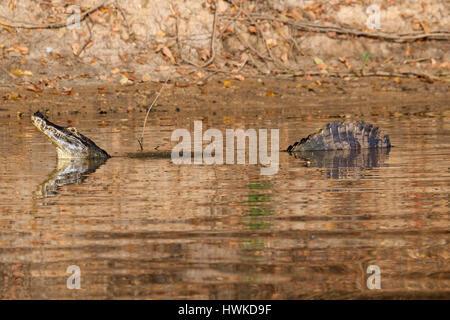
258, 203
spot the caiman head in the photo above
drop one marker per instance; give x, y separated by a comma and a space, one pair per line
68, 141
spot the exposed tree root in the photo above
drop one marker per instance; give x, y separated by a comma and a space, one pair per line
312, 27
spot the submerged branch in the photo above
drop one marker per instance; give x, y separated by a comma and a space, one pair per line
141, 139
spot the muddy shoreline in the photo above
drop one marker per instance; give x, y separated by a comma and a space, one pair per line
224, 93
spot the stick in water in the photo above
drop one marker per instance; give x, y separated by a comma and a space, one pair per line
141, 140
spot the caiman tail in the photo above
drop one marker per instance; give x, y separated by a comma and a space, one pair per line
343, 136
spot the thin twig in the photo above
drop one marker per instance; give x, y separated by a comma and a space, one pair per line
119, 8
295, 45
213, 36
257, 66
416, 60
282, 74
359, 75
238, 14
249, 46
141, 140
89, 40
7, 72
259, 29
405, 37
241, 66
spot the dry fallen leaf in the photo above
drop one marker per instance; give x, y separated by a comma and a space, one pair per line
295, 13
445, 65
183, 71
22, 49
345, 61
124, 80
67, 91
145, 77
203, 54
425, 26
12, 96
416, 25
17, 72
181, 84
408, 51
271, 43
311, 85
34, 88
140, 61
124, 57
95, 16
76, 48
166, 51
229, 29
318, 60
320, 64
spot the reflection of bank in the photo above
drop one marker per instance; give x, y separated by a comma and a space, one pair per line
67, 171
340, 164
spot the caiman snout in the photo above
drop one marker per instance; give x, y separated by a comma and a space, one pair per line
68, 141
38, 120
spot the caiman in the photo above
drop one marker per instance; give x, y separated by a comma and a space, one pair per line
72, 144
69, 143
336, 147
343, 136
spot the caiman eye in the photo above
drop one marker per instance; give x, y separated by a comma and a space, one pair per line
73, 130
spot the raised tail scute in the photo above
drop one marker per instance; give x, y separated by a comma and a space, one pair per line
343, 136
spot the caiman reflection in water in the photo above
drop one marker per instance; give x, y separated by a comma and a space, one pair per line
67, 171
340, 164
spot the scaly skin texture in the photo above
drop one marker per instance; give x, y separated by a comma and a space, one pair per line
69, 143
343, 136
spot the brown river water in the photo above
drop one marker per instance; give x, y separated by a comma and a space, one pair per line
141, 227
